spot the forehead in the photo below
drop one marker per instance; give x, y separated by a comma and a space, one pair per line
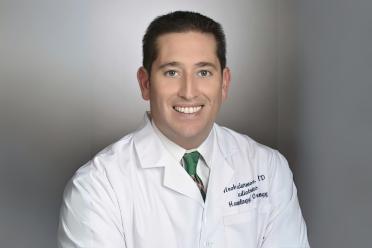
187, 47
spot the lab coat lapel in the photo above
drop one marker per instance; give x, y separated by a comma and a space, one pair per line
222, 174
151, 154
177, 179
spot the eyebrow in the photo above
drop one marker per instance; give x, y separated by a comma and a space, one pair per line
178, 64
204, 64
174, 64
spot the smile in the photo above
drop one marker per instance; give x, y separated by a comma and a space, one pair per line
188, 110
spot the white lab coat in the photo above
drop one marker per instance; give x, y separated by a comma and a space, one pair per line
134, 195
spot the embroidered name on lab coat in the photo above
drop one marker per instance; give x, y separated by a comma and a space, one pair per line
246, 192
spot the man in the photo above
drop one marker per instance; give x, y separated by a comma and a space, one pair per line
181, 180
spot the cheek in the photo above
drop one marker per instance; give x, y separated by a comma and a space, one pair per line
163, 86
213, 93
160, 98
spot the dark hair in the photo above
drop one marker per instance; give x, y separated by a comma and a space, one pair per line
177, 22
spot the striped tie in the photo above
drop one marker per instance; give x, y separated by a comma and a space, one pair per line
191, 161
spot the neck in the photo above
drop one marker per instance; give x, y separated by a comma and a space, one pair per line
187, 143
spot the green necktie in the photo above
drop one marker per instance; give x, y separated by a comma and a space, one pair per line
191, 161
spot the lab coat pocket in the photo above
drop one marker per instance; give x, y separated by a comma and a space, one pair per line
246, 228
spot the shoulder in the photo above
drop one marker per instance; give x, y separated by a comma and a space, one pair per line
232, 142
98, 174
96, 186
91, 195
249, 157
108, 158
236, 147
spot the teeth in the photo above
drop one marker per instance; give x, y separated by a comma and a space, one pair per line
188, 110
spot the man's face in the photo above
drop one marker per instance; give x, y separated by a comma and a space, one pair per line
186, 87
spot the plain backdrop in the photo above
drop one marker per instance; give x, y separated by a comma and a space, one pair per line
301, 84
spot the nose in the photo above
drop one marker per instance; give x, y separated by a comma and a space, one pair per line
188, 89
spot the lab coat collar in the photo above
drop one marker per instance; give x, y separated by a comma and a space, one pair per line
206, 148
147, 145
146, 140
226, 146
152, 153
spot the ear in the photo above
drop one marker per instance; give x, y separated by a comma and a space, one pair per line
226, 80
144, 82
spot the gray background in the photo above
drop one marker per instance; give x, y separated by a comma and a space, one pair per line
301, 84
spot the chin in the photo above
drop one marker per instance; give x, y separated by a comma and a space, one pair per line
193, 134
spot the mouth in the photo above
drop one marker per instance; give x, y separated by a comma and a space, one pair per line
188, 110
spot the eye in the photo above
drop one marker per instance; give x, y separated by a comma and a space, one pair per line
204, 73
171, 73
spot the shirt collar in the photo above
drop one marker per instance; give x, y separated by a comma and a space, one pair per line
205, 148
